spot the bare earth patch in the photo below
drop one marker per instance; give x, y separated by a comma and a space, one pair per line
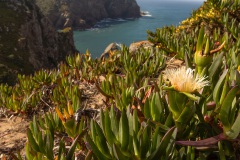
12, 134
13, 131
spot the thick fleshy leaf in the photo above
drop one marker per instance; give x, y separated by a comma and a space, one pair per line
136, 145
200, 39
226, 107
93, 131
156, 107
114, 121
186, 114
118, 153
135, 121
95, 149
100, 135
74, 144
41, 144
49, 145
145, 145
235, 129
111, 138
225, 90
215, 65
191, 96
217, 89
102, 120
172, 104
32, 141
124, 131
62, 149
147, 109
238, 78
166, 142
155, 138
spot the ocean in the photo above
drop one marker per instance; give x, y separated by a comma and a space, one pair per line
125, 31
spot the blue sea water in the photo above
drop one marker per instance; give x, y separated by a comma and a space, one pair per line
125, 31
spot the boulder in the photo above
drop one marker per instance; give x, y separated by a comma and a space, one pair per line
134, 47
112, 47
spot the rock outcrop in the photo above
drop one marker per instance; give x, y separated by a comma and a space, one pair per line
135, 46
28, 41
112, 47
83, 14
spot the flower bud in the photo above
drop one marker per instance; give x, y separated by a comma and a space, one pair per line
204, 58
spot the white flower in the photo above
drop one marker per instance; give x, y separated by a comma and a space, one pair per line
183, 79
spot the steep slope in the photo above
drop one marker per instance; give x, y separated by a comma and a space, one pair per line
28, 41
85, 13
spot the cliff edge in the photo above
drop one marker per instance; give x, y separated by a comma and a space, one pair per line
28, 41
81, 14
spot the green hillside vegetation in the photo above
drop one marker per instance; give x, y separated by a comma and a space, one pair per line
152, 112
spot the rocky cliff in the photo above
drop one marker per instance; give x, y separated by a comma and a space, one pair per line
85, 13
28, 41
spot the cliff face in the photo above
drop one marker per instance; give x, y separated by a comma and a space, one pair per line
85, 13
28, 41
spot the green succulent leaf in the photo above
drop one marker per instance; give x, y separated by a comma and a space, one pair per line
186, 114
166, 143
135, 121
74, 144
191, 96
32, 141
101, 140
225, 90
95, 149
145, 142
226, 108
217, 88
235, 129
200, 40
118, 153
124, 131
172, 104
62, 150
108, 131
41, 144
28, 151
136, 145
215, 65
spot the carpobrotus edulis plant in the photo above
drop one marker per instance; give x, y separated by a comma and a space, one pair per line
181, 97
183, 80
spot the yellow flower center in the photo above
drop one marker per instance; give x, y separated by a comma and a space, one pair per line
183, 79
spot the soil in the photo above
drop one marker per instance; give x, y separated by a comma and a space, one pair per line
12, 134
13, 128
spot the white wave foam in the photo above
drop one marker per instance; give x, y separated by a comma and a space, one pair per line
120, 20
148, 15
145, 14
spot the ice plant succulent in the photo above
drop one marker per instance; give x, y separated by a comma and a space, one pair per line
204, 57
181, 98
183, 80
